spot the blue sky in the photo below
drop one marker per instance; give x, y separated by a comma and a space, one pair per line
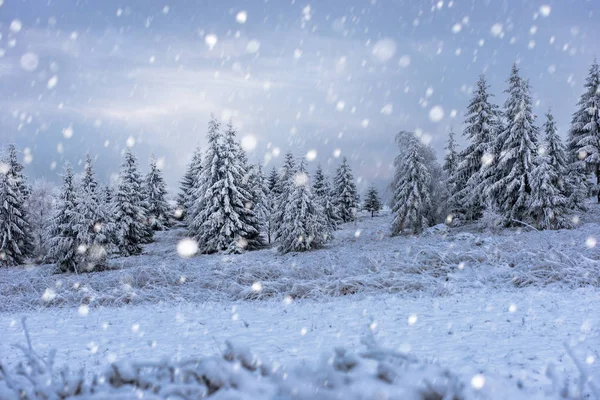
331, 77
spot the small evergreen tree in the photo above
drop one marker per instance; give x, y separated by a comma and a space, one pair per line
189, 182
451, 159
372, 202
90, 223
263, 204
323, 195
16, 240
62, 233
131, 222
303, 227
512, 187
156, 190
411, 185
40, 208
346, 196
272, 179
281, 192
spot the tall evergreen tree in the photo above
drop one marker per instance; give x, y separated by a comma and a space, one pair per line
188, 183
511, 190
451, 159
131, 221
323, 195
303, 227
372, 202
346, 196
263, 202
63, 233
156, 189
548, 201
481, 125
411, 185
584, 133
40, 208
272, 179
282, 191
203, 193
16, 240
90, 223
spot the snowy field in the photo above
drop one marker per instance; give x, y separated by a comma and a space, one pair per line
503, 305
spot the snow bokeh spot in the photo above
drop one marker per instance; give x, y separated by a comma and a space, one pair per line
590, 242
16, 25
436, 114
337, 153
404, 61
68, 132
130, 142
187, 247
496, 29
387, 109
512, 308
253, 46
412, 319
384, 50
249, 143
241, 17
300, 179
545, 10
83, 310
257, 287
478, 382
52, 82
311, 155
303, 331
29, 61
48, 295
340, 105
211, 40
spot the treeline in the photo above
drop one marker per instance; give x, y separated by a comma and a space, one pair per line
225, 204
507, 169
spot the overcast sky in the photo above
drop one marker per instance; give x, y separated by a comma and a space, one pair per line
333, 77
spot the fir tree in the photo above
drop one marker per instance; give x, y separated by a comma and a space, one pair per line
303, 227
188, 182
130, 218
548, 201
90, 223
40, 208
156, 190
263, 202
451, 159
346, 197
511, 190
63, 233
411, 185
372, 202
584, 133
16, 240
272, 179
481, 123
204, 194
282, 192
323, 195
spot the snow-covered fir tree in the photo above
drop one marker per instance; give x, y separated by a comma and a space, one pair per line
272, 179
263, 201
548, 206
411, 187
281, 191
585, 128
372, 202
451, 159
130, 207
345, 194
91, 224
304, 227
159, 210
202, 195
16, 240
511, 189
40, 208
188, 182
62, 234
324, 196
481, 126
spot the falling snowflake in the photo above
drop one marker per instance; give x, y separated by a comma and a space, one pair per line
241, 17
187, 247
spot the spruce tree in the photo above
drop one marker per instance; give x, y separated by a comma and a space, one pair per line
372, 202
303, 227
411, 185
263, 204
323, 195
130, 207
203, 193
583, 135
272, 179
63, 234
346, 196
481, 122
156, 191
548, 201
282, 191
16, 240
511, 190
90, 223
451, 159
188, 182
40, 208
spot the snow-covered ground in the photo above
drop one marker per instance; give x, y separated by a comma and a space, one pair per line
501, 305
